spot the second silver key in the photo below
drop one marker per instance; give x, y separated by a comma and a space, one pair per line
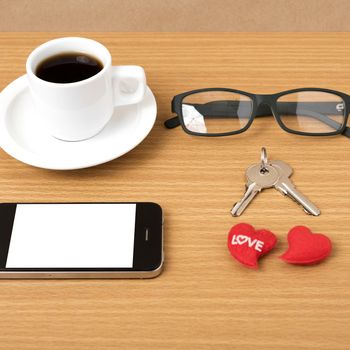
286, 187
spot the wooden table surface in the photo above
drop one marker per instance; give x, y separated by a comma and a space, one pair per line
203, 299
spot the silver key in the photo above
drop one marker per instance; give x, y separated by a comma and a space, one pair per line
257, 180
286, 187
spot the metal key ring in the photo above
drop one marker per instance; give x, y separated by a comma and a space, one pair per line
263, 158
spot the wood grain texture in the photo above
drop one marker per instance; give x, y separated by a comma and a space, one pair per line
203, 300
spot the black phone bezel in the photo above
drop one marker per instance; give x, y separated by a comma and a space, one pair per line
148, 247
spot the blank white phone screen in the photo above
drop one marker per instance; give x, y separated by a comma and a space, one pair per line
72, 236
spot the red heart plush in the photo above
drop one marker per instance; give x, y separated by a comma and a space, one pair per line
305, 247
247, 245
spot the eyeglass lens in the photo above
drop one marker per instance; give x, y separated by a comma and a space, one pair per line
311, 111
216, 112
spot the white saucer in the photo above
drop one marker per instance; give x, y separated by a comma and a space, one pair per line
24, 138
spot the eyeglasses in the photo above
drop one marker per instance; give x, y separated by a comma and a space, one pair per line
222, 112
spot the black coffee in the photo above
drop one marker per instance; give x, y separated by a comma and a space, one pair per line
68, 67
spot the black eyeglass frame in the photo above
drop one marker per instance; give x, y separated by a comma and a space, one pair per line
258, 100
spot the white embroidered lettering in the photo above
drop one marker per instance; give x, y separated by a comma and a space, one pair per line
242, 239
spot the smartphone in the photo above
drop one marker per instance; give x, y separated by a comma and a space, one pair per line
81, 240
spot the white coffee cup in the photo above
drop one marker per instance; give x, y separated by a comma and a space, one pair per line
79, 110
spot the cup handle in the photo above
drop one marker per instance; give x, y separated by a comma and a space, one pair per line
129, 84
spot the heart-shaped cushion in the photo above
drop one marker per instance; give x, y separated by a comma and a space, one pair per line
305, 247
247, 245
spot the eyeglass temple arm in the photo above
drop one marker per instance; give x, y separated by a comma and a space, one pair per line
172, 123
220, 108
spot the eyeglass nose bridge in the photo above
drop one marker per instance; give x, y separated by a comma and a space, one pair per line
264, 105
